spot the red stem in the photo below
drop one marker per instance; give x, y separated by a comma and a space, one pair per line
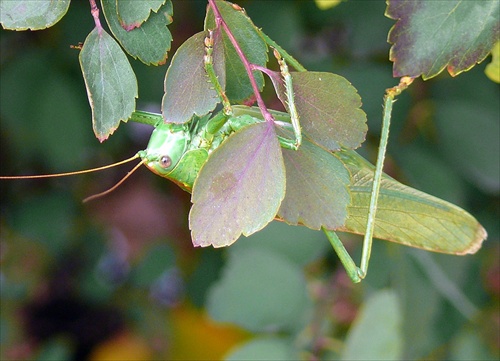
94, 10
270, 73
248, 67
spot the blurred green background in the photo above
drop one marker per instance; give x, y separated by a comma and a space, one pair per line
118, 278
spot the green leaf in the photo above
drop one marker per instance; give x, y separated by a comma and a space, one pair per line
133, 13
317, 191
252, 276
408, 216
187, 88
110, 82
468, 134
328, 107
376, 333
299, 245
150, 42
32, 15
239, 189
238, 87
268, 348
432, 35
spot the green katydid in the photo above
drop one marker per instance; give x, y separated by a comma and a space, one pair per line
192, 154
406, 216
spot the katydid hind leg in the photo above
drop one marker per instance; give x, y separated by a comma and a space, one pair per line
358, 273
352, 270
391, 93
377, 177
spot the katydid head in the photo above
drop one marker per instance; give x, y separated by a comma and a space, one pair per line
167, 145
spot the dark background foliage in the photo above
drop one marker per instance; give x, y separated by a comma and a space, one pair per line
119, 276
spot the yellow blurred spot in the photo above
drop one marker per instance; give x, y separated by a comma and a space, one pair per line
327, 4
196, 337
493, 69
124, 346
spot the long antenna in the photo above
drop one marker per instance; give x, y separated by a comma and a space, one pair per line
71, 173
98, 195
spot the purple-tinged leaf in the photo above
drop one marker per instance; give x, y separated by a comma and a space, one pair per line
133, 13
110, 82
32, 15
240, 188
317, 193
149, 43
432, 35
188, 90
328, 107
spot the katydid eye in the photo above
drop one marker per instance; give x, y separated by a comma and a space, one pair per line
165, 161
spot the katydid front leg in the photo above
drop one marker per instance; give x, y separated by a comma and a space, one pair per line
290, 100
209, 68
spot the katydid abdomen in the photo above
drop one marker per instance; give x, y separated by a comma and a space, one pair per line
408, 216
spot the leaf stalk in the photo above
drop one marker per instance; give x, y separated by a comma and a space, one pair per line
94, 10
